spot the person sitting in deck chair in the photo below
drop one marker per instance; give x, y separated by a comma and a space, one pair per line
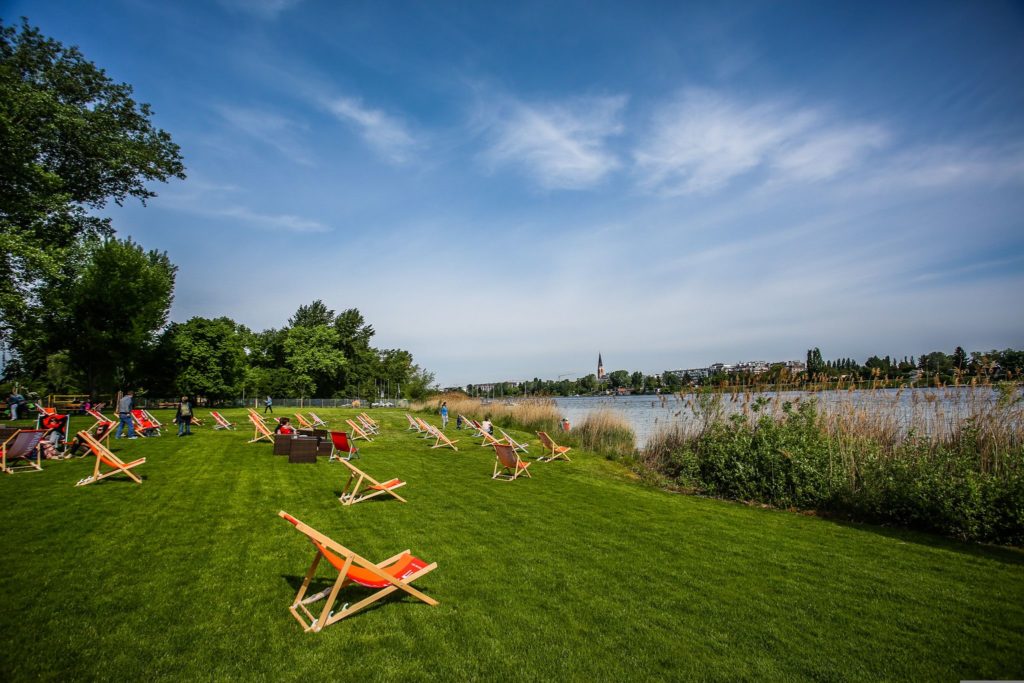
284, 426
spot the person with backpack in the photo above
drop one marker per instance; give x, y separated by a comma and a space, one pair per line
183, 417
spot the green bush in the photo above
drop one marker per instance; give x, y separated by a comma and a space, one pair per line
794, 460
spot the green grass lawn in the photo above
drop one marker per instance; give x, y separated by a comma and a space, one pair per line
575, 574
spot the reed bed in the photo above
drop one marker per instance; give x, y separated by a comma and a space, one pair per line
949, 460
532, 414
602, 431
607, 432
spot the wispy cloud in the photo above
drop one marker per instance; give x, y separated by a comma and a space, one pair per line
561, 145
265, 9
704, 141
268, 128
285, 222
385, 133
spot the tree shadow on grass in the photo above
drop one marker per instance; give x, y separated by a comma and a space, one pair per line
1003, 554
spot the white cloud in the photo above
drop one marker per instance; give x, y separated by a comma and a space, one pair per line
270, 129
285, 222
563, 146
704, 141
384, 132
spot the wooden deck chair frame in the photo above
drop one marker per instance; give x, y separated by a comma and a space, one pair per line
317, 420
413, 426
253, 413
520, 447
303, 422
368, 427
20, 446
366, 416
508, 466
442, 440
98, 416
426, 429
361, 486
396, 573
104, 456
489, 439
260, 431
220, 422
557, 452
357, 431
340, 443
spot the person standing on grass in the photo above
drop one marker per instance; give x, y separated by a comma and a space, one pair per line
184, 417
268, 406
124, 414
444, 415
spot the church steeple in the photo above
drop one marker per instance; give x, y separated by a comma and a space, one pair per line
600, 366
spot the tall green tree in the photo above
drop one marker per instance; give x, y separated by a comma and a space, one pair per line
208, 357
312, 355
116, 307
72, 140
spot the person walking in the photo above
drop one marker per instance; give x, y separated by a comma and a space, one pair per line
124, 414
444, 415
268, 406
184, 417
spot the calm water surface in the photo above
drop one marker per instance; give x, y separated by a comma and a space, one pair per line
930, 407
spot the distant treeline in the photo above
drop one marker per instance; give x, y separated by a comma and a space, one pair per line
936, 367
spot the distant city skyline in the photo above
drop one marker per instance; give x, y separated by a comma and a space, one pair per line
503, 189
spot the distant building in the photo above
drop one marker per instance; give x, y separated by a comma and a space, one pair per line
600, 368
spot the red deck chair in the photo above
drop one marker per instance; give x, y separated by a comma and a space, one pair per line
143, 425
105, 457
221, 423
393, 574
22, 445
340, 444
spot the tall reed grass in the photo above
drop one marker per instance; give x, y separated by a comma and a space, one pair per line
533, 414
602, 431
950, 460
606, 432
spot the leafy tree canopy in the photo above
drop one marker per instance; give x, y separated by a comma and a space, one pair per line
71, 139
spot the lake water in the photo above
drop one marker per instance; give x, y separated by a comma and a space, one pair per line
924, 408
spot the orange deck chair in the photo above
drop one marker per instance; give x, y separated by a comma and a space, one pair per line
98, 416
507, 463
521, 447
489, 439
220, 422
424, 429
253, 413
105, 457
260, 431
441, 440
151, 418
366, 416
317, 420
22, 445
357, 431
412, 423
341, 444
557, 452
393, 574
365, 487
303, 422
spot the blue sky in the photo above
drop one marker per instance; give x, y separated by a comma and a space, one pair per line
506, 189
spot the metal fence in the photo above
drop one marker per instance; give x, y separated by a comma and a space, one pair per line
149, 403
